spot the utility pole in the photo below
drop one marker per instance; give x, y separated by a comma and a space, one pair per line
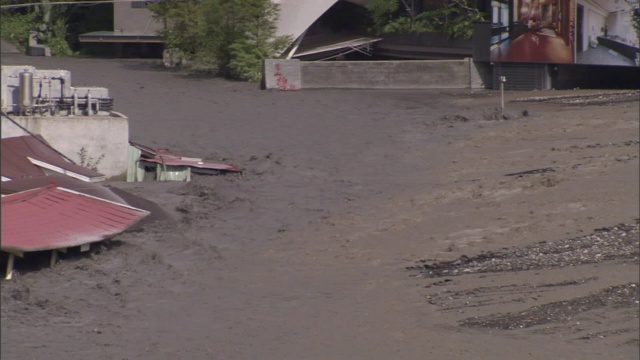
503, 79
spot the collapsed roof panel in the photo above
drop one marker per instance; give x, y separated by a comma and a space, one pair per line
165, 157
28, 156
50, 218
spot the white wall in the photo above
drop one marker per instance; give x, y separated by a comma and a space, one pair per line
297, 15
594, 19
619, 24
594, 22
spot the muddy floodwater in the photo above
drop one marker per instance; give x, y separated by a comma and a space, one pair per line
367, 224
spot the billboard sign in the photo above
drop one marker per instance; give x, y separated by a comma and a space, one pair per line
596, 32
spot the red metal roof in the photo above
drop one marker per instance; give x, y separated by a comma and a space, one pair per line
15, 163
98, 190
53, 218
164, 156
63, 181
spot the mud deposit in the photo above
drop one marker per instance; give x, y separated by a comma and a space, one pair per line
580, 316
519, 228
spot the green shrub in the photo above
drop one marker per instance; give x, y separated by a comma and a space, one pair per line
230, 37
15, 26
57, 40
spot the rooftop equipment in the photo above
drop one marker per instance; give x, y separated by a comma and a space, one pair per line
31, 92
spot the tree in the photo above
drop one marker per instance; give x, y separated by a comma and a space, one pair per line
231, 37
454, 17
635, 16
15, 25
257, 41
51, 28
48, 22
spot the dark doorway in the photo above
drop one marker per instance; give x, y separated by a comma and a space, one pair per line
579, 22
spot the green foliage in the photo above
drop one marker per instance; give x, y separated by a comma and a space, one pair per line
230, 37
635, 16
57, 40
57, 26
255, 39
88, 161
454, 17
51, 28
185, 24
15, 26
382, 14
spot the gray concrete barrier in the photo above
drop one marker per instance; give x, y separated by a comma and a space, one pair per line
422, 74
281, 74
418, 74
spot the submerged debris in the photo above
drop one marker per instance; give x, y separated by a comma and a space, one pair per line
600, 98
532, 172
618, 242
620, 296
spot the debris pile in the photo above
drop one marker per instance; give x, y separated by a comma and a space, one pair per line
618, 242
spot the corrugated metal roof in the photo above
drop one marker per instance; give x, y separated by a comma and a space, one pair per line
164, 156
98, 190
13, 161
20, 154
338, 44
93, 189
54, 218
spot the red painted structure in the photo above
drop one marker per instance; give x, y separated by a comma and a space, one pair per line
50, 218
17, 151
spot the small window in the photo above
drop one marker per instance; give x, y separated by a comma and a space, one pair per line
138, 4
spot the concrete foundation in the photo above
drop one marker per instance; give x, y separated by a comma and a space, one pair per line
104, 138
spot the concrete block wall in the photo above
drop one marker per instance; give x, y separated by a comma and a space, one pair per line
281, 74
481, 75
423, 74
102, 137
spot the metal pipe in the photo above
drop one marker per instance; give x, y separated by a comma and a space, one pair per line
75, 103
88, 102
49, 98
3, 96
502, 97
503, 79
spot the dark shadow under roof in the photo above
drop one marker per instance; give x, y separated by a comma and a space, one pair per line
120, 37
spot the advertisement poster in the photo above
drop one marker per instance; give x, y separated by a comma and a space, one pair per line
596, 32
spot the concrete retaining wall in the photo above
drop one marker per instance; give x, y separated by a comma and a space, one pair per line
102, 137
427, 74
281, 74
